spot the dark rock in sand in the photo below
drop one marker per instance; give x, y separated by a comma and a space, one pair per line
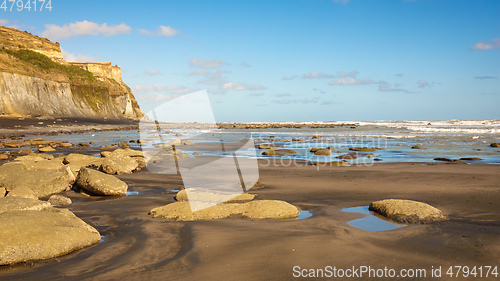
348, 156
317, 137
83, 144
36, 235
417, 147
495, 144
442, 159
407, 211
298, 140
377, 159
279, 152
59, 200
471, 159
100, 183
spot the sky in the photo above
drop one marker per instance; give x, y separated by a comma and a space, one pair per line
294, 60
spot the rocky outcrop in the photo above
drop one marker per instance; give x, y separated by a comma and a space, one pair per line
35, 80
407, 211
41, 234
279, 152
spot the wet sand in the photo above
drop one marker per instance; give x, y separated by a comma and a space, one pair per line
138, 247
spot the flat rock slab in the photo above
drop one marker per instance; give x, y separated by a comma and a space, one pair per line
100, 183
407, 211
35, 235
261, 209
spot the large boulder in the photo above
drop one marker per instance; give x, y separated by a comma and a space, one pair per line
118, 163
100, 183
33, 235
279, 152
323, 152
262, 209
42, 182
77, 161
407, 211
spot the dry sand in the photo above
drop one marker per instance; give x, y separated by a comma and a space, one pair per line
138, 247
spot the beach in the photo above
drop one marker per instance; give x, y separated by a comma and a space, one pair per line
136, 246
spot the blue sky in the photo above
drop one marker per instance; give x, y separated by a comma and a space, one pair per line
303, 60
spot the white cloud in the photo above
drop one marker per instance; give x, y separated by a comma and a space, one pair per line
152, 72
386, 87
494, 44
351, 82
283, 95
240, 86
317, 75
84, 28
4, 21
256, 94
343, 74
78, 58
293, 77
423, 84
198, 72
162, 30
213, 63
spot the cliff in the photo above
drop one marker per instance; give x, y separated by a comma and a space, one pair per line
35, 80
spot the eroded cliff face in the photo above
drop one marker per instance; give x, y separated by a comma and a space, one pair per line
36, 81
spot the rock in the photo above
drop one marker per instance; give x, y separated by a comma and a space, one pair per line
42, 182
377, 159
83, 144
364, 149
46, 149
196, 153
77, 161
54, 164
317, 137
105, 153
65, 144
407, 211
187, 142
244, 197
495, 144
284, 140
21, 204
35, 235
471, 159
59, 200
417, 147
298, 140
116, 164
22, 191
323, 152
265, 146
442, 159
123, 144
369, 155
4, 157
261, 209
100, 183
279, 152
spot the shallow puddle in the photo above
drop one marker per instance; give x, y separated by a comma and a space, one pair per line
371, 222
304, 215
